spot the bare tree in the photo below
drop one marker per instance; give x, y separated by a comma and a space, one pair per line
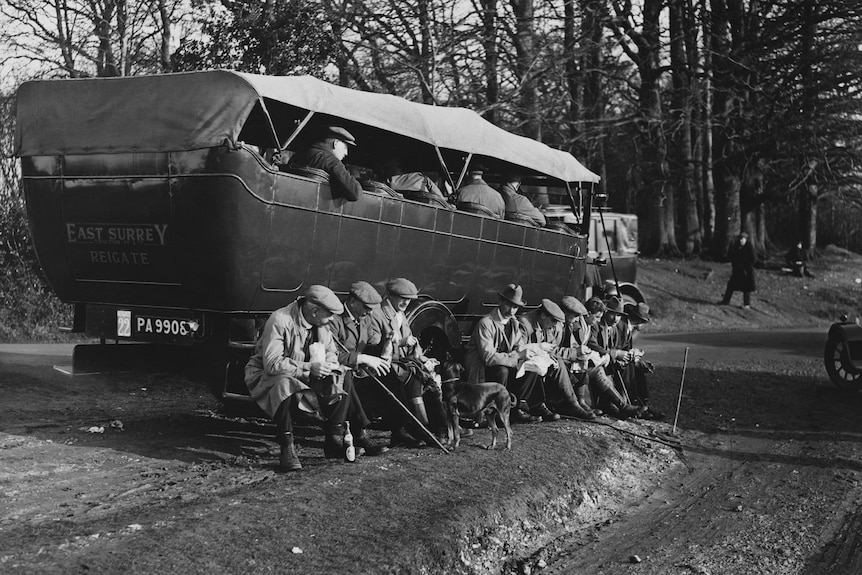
90, 38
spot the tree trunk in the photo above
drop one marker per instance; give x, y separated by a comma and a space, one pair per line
656, 185
681, 103
594, 13
165, 52
426, 53
808, 195
525, 52
726, 151
489, 42
574, 78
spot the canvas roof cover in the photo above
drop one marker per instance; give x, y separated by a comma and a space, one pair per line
197, 110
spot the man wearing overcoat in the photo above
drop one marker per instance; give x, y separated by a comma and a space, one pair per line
283, 374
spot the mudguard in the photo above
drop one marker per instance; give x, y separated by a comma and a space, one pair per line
850, 334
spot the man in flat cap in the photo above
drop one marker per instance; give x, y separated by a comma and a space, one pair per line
328, 153
575, 353
603, 318
353, 333
409, 364
356, 336
496, 351
295, 366
544, 326
634, 372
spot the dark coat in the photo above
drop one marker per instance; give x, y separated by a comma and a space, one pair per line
742, 260
320, 157
354, 336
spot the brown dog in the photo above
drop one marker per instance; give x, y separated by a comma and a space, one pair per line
478, 401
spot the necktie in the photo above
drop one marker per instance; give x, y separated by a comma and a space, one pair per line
309, 339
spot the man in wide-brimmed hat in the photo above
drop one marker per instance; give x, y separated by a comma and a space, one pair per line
634, 372
496, 351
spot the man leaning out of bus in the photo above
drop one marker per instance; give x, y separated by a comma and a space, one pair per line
295, 366
327, 153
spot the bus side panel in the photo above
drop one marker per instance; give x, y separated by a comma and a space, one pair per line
413, 254
291, 245
355, 256
43, 197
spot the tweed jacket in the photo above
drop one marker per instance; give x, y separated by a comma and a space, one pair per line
493, 343
357, 336
385, 320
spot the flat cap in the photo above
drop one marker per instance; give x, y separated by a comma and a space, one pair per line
594, 305
615, 305
553, 310
402, 287
639, 312
340, 133
365, 292
325, 298
571, 304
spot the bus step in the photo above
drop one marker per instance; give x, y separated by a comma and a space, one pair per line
249, 345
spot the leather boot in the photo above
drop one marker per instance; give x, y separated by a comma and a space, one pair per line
582, 396
333, 442
288, 460
574, 409
403, 438
623, 410
364, 442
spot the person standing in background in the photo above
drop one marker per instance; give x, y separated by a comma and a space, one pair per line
742, 258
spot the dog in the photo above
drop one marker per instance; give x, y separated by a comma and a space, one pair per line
478, 401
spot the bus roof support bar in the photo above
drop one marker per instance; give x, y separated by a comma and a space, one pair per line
464, 170
298, 129
572, 200
269, 121
445, 168
610, 255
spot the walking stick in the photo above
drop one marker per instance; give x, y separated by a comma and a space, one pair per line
398, 401
679, 399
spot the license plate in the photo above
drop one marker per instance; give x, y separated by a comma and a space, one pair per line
142, 327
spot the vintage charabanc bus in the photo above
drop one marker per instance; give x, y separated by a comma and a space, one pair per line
163, 209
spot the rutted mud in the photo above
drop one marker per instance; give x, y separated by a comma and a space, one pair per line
767, 480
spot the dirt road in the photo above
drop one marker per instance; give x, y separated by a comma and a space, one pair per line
139, 473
